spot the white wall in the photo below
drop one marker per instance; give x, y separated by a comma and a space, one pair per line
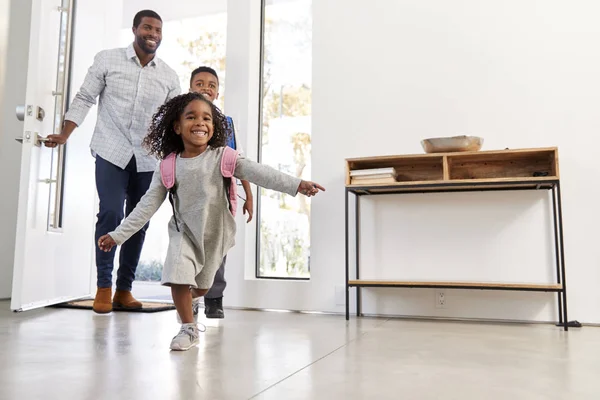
520, 74
166, 10
12, 92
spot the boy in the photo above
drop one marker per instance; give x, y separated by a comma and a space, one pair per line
204, 80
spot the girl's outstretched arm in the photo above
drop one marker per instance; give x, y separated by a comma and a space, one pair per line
269, 178
145, 209
309, 188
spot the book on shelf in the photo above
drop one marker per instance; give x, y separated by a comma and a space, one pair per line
373, 176
373, 171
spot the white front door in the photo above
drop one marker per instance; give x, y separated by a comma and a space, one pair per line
54, 250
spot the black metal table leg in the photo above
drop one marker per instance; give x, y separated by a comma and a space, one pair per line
557, 255
562, 259
357, 244
347, 260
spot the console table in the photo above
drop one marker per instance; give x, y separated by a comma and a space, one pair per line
526, 169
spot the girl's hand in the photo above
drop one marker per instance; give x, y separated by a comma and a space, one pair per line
248, 207
106, 243
309, 188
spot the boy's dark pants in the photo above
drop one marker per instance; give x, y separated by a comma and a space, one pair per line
218, 286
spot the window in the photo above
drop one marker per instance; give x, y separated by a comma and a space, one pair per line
283, 226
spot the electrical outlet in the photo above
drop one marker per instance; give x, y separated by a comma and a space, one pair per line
340, 295
440, 299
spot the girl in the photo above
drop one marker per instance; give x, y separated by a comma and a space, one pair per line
202, 229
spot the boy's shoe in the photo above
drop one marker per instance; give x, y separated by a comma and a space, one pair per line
213, 308
102, 303
195, 310
186, 338
124, 299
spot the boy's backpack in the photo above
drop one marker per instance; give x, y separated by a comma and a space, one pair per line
228, 162
231, 133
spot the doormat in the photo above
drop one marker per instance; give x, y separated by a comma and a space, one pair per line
147, 306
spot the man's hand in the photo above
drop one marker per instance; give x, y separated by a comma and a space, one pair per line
309, 188
55, 140
106, 243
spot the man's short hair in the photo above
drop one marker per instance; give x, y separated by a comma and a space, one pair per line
144, 13
203, 69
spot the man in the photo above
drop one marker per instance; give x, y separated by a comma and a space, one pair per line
204, 80
131, 84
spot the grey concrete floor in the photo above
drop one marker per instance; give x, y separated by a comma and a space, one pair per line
74, 354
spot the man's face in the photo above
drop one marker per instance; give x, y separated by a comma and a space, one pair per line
206, 84
148, 34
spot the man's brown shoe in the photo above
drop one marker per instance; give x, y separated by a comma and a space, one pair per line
102, 304
124, 299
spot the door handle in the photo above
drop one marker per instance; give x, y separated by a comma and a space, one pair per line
27, 138
41, 140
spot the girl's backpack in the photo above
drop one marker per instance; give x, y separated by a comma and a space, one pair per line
228, 162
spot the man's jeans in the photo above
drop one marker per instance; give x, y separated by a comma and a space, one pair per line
115, 188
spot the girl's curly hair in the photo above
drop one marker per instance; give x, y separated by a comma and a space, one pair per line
162, 139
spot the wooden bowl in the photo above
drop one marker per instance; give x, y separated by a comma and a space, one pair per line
452, 144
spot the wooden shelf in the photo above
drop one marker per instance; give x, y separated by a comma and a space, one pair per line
545, 287
507, 169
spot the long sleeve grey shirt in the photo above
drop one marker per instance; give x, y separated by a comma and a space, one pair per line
206, 226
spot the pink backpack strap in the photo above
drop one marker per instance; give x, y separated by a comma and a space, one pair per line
167, 175
228, 162
167, 170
